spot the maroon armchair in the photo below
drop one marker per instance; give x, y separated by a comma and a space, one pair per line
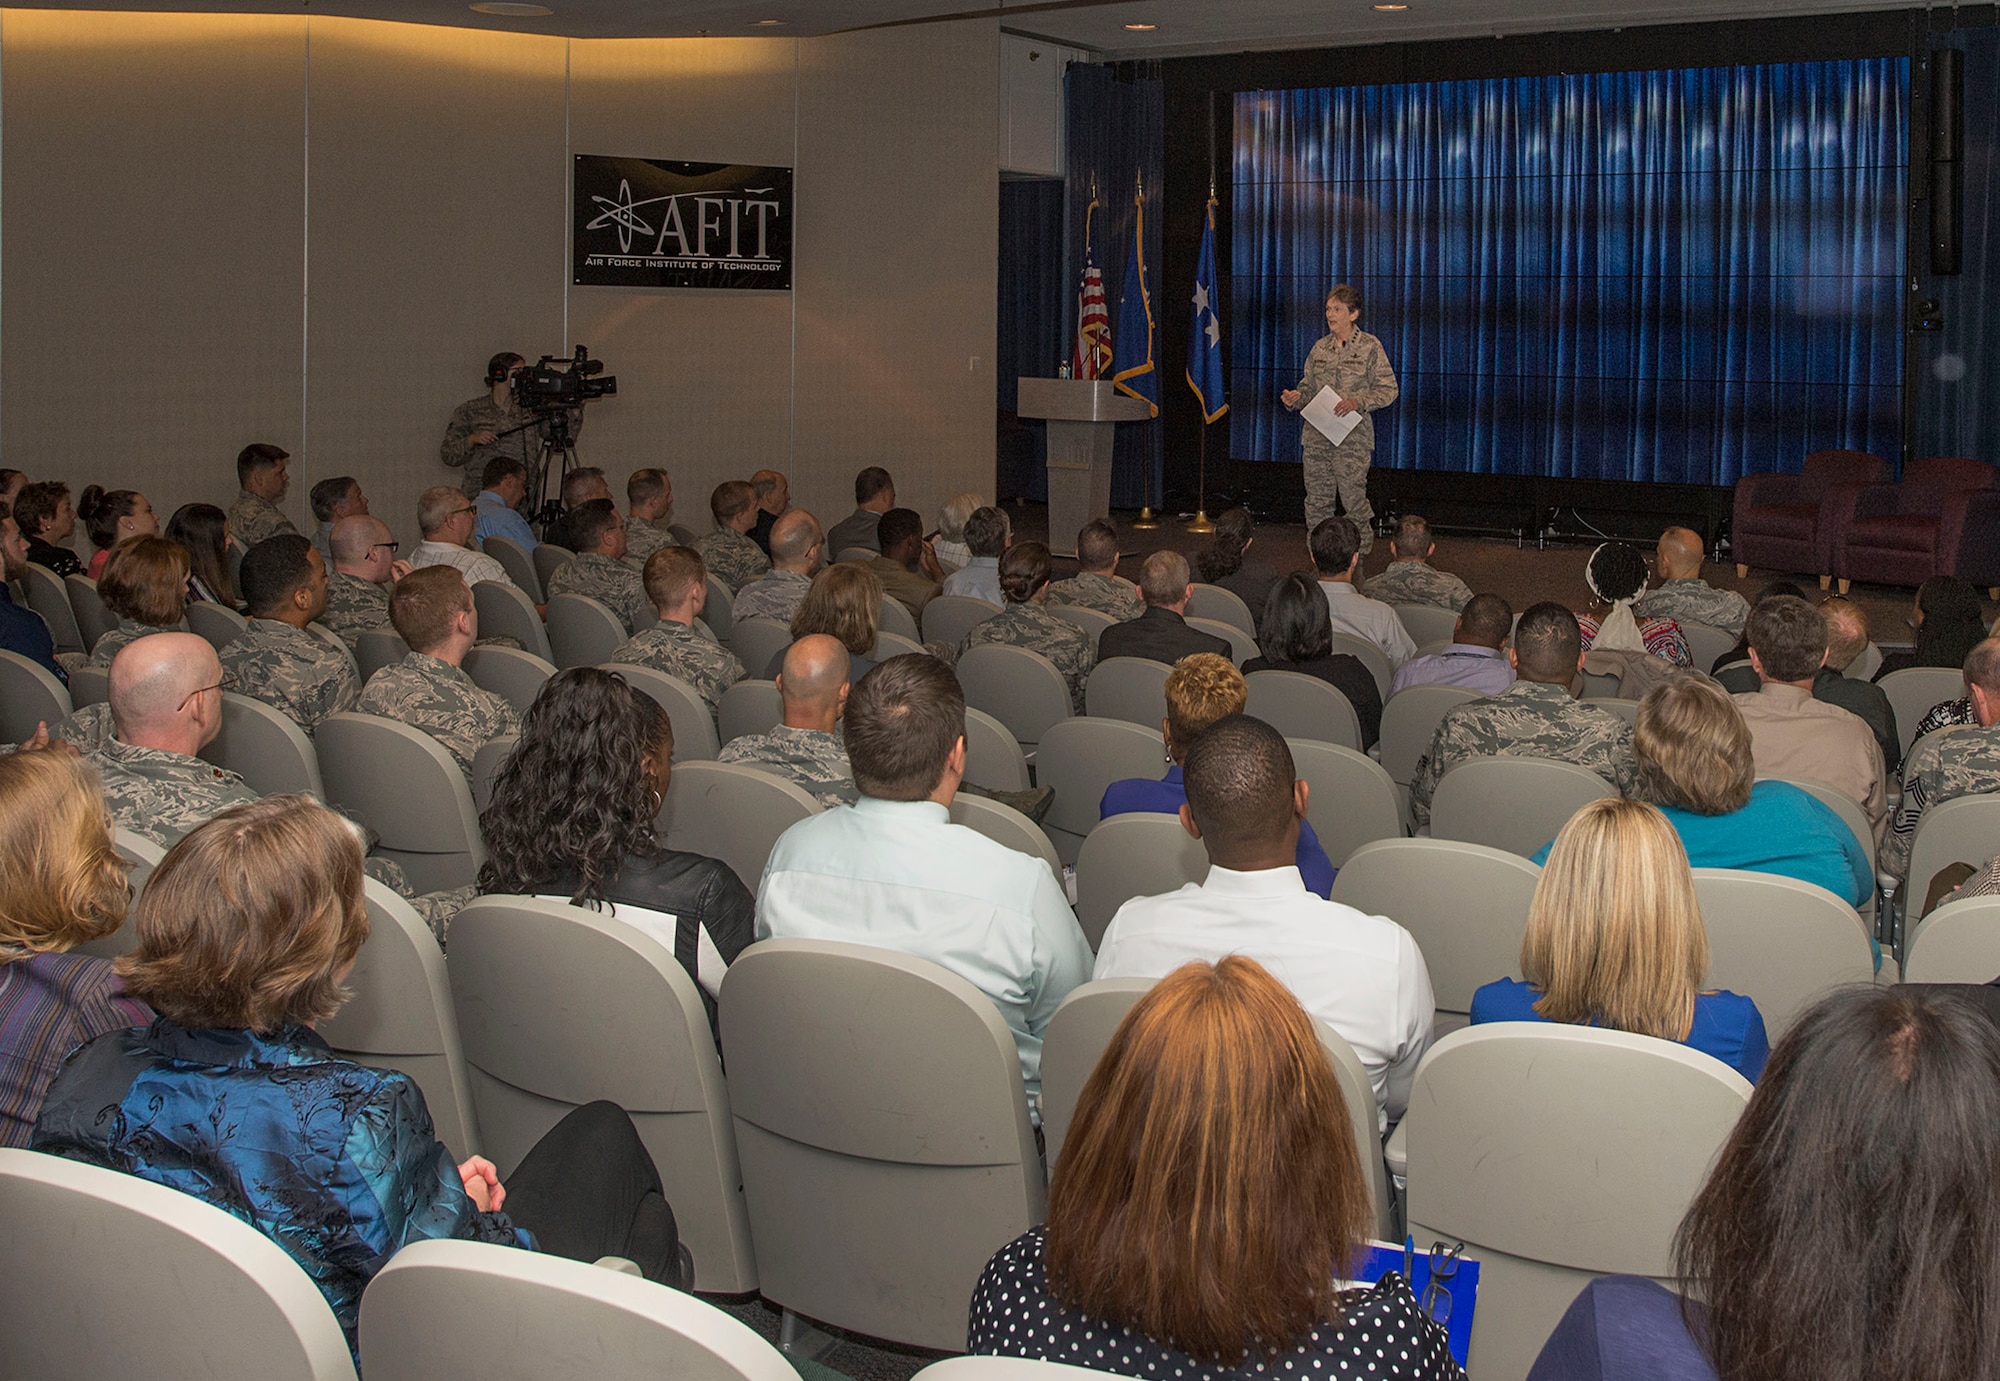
1794, 522
1943, 518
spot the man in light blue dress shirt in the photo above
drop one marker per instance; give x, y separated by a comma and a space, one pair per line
893, 871
502, 486
988, 532
1476, 656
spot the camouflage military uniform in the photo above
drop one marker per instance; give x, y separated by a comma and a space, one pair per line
679, 651
1107, 594
1941, 766
775, 596
160, 795
354, 605
86, 728
813, 758
1527, 720
642, 539
292, 670
607, 580
1695, 601
732, 558
1035, 628
1419, 582
126, 633
252, 519
1359, 372
430, 694
482, 414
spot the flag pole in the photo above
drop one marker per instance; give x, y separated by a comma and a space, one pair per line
1201, 522
1145, 522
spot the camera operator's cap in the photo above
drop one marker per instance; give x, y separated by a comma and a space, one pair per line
500, 365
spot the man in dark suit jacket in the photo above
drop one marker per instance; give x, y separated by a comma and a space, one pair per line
1161, 633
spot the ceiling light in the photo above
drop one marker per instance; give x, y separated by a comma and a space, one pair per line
763, 23
508, 10
1392, 7
1142, 28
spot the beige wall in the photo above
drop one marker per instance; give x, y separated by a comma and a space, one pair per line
220, 228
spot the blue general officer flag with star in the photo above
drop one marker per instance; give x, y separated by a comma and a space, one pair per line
1204, 369
1132, 369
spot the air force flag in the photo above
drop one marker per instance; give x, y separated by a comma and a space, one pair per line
1132, 371
1204, 368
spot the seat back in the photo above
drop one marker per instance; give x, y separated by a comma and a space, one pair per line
1080, 758
515, 676
1510, 803
1212, 602
1426, 623
1778, 941
1465, 905
1128, 688
758, 641
549, 558
582, 631
89, 686
749, 707
1369, 655
376, 648
694, 728
1410, 719
1962, 830
504, 610
519, 564
682, 534
948, 618
731, 811
266, 748
1823, 470
30, 694
1927, 480
1350, 800
895, 618
1145, 854
1558, 1153
400, 1016
140, 856
1242, 646
1913, 693
1019, 687
993, 758
218, 623
197, 1293
93, 620
1091, 621
559, 1006
884, 1134
889, 645
1004, 1369
486, 767
1302, 706
49, 597
1957, 943
430, 1313
1864, 666
861, 554
720, 611
1005, 825
401, 783
1705, 642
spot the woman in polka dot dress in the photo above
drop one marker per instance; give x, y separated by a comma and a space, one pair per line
1206, 1206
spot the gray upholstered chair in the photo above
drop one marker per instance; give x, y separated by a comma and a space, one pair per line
401, 783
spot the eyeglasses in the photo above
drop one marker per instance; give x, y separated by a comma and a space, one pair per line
227, 683
461, 512
1444, 1266
392, 546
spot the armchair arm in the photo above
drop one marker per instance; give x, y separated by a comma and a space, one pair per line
1968, 540
1838, 508
1872, 500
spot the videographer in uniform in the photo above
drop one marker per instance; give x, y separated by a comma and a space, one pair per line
493, 424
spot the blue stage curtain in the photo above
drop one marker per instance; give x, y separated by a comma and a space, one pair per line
1030, 319
1958, 369
1681, 276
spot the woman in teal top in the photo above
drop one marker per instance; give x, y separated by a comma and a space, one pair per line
1615, 939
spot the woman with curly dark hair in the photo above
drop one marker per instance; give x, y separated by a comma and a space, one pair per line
573, 818
1616, 574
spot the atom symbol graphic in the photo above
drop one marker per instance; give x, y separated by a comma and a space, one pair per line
623, 213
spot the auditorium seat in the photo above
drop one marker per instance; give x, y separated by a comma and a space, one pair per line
749, 707
561, 1005
49, 597
1864, 667
1091, 621
30, 694
1006, 826
993, 759
265, 747
518, 562
1128, 688
218, 623
1557, 1153
583, 632
486, 765
1965, 829
1427, 623
682, 534
731, 811
1350, 800
503, 609
1369, 655
1941, 518
1779, 942
1302, 706
758, 641
1791, 522
1223, 606
888, 644
515, 676
694, 726
1144, 854
1705, 642
401, 783
884, 1135
376, 648
719, 613
894, 618
93, 620
1017, 686
549, 558
89, 686
948, 618
1512, 803
105, 1274
140, 856
1410, 719
1913, 693
401, 1017
1004, 1369
1242, 645
861, 555
431, 1313
1957, 943
1850, 813
1081, 757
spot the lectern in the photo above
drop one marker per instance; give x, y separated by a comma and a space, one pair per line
1081, 414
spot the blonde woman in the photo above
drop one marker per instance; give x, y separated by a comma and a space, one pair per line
948, 545
1615, 939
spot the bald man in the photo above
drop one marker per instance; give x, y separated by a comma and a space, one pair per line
1682, 594
774, 497
805, 749
797, 549
364, 564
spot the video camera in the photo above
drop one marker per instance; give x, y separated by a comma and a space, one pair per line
555, 384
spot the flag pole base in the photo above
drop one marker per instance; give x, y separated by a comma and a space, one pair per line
1201, 522
1145, 522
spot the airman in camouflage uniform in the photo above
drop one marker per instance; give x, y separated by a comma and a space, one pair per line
607, 580
252, 518
292, 670
732, 558
1530, 719
1941, 766
431, 694
160, 795
127, 631
678, 650
1695, 600
813, 758
1028, 625
1419, 582
1107, 594
86, 728
516, 439
354, 605
1359, 372
642, 539
775, 596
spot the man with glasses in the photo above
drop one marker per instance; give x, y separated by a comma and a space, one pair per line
166, 706
364, 565
446, 518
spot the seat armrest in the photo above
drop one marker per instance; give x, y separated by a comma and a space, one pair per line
1838, 508
1396, 1154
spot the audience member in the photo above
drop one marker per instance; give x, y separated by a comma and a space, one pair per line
260, 470
796, 548
276, 659
22, 630
949, 545
874, 495
1097, 584
1942, 767
987, 534
845, 602
1536, 717
166, 706
1741, 652
1793, 735
145, 585
599, 571
61, 885
909, 571
774, 497
110, 517
1362, 975
649, 506
246, 932
46, 519
894, 872
805, 748
332, 500
730, 556
1161, 632
1846, 1227
574, 815
1615, 939
1336, 553
202, 529
1949, 621
1410, 578
1208, 1205
433, 612
1297, 635
364, 565
1682, 595
1476, 657
1226, 563
445, 518
503, 488
579, 487
1846, 636
1024, 583
12, 482
677, 585
1616, 575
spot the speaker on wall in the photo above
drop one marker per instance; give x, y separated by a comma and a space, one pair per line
1947, 139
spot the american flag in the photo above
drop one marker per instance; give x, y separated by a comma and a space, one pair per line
1092, 356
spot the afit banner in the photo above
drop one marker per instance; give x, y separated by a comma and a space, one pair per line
650, 223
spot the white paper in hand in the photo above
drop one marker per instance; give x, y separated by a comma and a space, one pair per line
1320, 412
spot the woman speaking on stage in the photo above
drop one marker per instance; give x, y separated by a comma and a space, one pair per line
1350, 362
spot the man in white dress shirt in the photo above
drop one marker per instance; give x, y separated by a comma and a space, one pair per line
1336, 553
446, 518
1362, 975
893, 871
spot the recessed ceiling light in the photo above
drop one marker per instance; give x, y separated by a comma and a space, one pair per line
1141, 28
762, 23
512, 11
1392, 7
